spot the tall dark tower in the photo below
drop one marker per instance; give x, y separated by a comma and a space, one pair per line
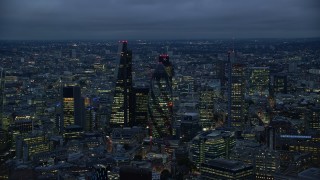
236, 91
164, 59
122, 108
160, 99
220, 71
2, 76
141, 95
73, 107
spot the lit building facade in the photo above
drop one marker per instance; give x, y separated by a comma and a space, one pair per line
2, 80
31, 145
314, 119
73, 107
237, 95
259, 81
122, 108
226, 169
210, 145
302, 144
206, 107
236, 91
266, 163
141, 106
160, 101
100, 172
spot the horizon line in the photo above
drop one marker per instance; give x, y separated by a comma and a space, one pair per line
178, 39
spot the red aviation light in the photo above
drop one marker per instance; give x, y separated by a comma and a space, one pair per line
170, 104
164, 55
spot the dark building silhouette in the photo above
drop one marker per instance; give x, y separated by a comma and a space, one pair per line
280, 84
259, 81
2, 76
226, 169
100, 172
220, 72
122, 108
160, 99
128, 172
164, 59
73, 107
141, 106
236, 91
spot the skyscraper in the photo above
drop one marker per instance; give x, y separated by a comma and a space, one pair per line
73, 106
141, 106
219, 68
160, 99
236, 91
122, 108
259, 81
206, 107
164, 59
2, 76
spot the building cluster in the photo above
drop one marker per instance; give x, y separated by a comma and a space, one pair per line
160, 110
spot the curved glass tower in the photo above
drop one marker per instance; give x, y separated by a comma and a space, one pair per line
160, 99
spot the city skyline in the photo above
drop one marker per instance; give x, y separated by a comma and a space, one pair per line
160, 90
201, 114
138, 19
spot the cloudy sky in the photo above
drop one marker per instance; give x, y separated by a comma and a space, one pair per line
158, 19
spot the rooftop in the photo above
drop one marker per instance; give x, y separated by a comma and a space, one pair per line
311, 173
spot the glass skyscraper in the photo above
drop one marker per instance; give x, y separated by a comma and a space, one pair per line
73, 106
160, 99
122, 108
2, 76
259, 81
236, 92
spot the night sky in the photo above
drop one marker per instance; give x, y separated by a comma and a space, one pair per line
158, 19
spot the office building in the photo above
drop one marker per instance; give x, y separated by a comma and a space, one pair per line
128, 172
160, 99
189, 126
206, 106
210, 145
2, 80
226, 169
164, 59
220, 71
141, 106
29, 146
314, 119
259, 81
73, 107
236, 92
91, 119
280, 84
100, 172
266, 163
122, 108
302, 144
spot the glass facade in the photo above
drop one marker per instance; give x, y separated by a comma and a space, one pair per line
121, 112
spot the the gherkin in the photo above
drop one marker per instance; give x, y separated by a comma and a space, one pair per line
160, 99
